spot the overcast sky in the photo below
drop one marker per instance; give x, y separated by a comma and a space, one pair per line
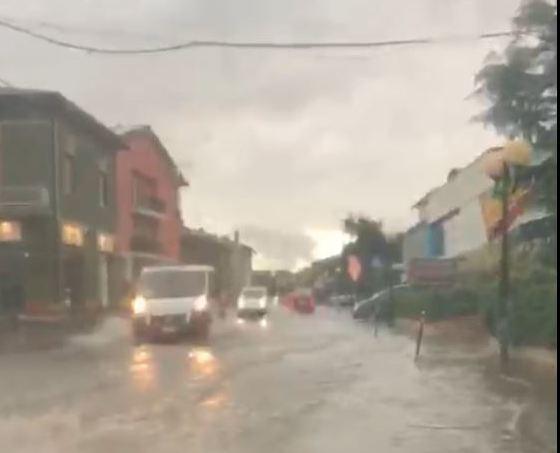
281, 144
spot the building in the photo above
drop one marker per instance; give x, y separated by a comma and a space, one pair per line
149, 220
57, 206
231, 260
462, 215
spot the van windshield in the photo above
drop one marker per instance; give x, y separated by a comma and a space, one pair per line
176, 283
254, 293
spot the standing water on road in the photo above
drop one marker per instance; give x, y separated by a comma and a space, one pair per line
221, 219
296, 384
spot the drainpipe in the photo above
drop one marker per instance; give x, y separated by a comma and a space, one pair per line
55, 189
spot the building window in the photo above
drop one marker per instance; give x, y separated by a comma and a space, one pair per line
72, 234
103, 189
436, 240
10, 231
143, 190
69, 174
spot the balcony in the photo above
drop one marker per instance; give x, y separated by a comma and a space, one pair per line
150, 207
144, 244
24, 201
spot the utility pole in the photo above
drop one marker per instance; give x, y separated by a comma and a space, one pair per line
505, 300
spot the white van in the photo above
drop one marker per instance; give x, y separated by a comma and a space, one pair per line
172, 300
252, 302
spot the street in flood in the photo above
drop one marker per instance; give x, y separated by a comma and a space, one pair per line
288, 383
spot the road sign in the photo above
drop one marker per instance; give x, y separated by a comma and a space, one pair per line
432, 271
376, 263
354, 268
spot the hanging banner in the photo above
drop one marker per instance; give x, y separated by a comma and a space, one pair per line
491, 207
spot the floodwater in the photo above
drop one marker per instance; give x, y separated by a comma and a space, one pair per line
298, 384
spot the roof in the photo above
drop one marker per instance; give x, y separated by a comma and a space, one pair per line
147, 131
186, 267
220, 240
53, 101
456, 171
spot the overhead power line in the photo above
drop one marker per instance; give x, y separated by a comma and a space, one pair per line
241, 44
5, 83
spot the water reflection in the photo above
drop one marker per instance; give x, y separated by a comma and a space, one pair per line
216, 401
262, 322
202, 362
142, 369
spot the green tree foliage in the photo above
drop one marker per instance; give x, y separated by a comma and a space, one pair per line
371, 242
521, 87
521, 83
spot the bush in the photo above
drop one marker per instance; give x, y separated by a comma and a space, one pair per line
534, 315
438, 303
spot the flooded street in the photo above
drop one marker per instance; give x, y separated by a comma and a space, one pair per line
295, 384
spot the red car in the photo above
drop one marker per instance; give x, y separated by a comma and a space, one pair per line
300, 301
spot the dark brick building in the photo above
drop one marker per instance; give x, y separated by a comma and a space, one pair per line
57, 205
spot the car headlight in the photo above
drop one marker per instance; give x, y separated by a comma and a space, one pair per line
139, 305
241, 303
201, 304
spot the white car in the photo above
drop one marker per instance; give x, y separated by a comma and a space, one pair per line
253, 302
172, 300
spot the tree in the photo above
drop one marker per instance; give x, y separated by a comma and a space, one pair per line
521, 88
521, 83
371, 242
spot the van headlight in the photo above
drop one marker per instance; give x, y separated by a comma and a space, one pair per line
262, 303
241, 303
201, 304
139, 305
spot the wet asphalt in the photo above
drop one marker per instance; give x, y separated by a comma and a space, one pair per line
297, 384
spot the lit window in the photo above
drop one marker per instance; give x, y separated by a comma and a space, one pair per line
10, 231
105, 242
72, 234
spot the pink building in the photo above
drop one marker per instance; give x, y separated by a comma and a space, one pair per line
148, 215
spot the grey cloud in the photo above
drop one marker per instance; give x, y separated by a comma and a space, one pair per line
282, 247
282, 141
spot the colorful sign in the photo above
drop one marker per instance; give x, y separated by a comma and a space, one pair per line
354, 268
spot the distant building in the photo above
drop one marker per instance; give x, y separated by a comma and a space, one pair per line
57, 205
148, 215
461, 215
265, 278
232, 260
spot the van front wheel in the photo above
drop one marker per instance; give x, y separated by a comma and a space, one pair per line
202, 331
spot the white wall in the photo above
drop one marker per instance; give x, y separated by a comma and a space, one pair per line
459, 192
466, 230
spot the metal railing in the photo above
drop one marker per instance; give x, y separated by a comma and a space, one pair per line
24, 200
151, 206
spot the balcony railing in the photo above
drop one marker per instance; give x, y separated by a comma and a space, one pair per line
144, 244
150, 206
20, 201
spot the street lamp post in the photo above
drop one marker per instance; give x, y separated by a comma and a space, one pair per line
505, 300
499, 167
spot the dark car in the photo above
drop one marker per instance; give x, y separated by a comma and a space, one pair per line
365, 308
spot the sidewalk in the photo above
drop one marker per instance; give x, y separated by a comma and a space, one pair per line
535, 363
33, 333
